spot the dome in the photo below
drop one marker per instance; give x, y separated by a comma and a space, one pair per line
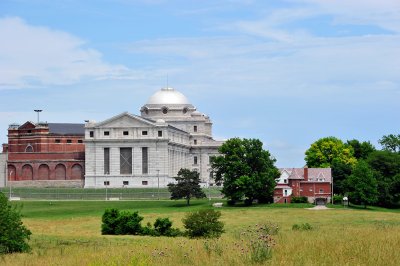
167, 96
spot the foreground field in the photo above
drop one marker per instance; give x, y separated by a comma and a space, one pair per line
68, 233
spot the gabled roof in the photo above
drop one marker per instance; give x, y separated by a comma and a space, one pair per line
294, 173
66, 129
135, 117
27, 125
325, 173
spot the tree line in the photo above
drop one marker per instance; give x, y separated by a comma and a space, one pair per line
367, 175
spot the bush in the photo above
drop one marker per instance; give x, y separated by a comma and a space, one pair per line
13, 234
203, 223
299, 200
110, 221
337, 199
129, 224
302, 227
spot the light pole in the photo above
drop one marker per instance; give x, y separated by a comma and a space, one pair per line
38, 111
158, 184
9, 195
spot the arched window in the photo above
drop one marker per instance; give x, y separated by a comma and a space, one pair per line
29, 148
164, 110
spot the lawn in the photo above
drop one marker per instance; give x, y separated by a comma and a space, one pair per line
68, 233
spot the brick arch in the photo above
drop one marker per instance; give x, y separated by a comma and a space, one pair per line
12, 172
27, 172
60, 172
43, 172
76, 172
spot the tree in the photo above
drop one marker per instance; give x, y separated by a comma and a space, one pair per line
362, 185
246, 170
187, 186
361, 149
325, 151
390, 143
386, 166
13, 234
340, 172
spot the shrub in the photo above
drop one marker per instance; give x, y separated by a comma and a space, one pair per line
299, 200
337, 199
231, 202
129, 223
203, 223
302, 227
110, 221
162, 225
13, 234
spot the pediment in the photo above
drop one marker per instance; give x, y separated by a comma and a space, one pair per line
27, 125
125, 120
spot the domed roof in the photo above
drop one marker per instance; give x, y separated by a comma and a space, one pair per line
167, 96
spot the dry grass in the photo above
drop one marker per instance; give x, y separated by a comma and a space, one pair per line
339, 237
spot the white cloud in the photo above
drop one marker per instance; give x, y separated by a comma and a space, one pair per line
38, 56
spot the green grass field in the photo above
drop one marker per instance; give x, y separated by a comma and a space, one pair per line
68, 233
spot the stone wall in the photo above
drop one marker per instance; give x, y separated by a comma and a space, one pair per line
47, 183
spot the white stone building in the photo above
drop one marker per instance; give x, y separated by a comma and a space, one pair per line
148, 150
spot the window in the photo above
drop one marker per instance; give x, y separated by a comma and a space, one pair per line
310, 189
321, 190
185, 110
29, 131
195, 160
91, 134
285, 181
144, 133
164, 110
125, 163
58, 140
29, 148
160, 133
80, 141
195, 142
145, 183
69, 141
106, 133
194, 128
145, 160
125, 183
285, 192
106, 183
126, 133
106, 161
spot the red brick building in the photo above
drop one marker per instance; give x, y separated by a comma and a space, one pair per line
313, 183
45, 154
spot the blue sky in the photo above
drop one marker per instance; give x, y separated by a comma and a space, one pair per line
286, 72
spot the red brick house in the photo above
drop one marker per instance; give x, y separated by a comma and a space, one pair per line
45, 154
313, 183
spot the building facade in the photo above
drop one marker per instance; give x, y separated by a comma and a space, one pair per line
128, 150
313, 183
45, 154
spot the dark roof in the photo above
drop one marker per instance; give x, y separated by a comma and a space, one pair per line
66, 129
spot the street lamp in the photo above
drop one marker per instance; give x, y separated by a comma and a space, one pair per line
158, 184
37, 111
9, 195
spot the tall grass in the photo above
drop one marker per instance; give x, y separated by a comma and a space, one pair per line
339, 237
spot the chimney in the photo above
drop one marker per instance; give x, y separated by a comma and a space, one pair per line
305, 173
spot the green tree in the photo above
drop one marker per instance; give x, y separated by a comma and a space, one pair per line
390, 143
340, 172
13, 234
361, 149
362, 185
386, 166
246, 170
325, 151
187, 186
